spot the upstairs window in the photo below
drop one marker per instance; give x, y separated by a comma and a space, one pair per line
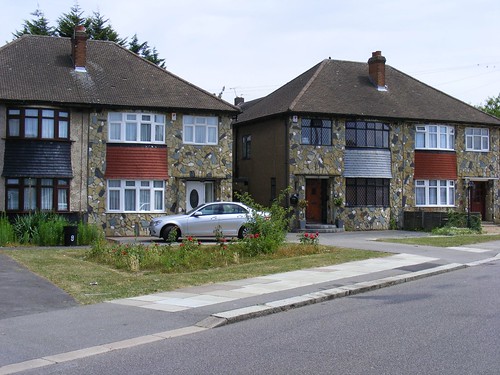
477, 139
316, 132
435, 137
247, 146
367, 134
136, 127
33, 123
200, 130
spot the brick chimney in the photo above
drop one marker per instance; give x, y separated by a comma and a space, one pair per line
239, 100
376, 69
79, 48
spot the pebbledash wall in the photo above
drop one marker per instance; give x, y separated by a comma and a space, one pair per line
328, 162
186, 162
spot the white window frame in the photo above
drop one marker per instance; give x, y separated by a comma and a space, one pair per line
200, 130
434, 193
127, 127
477, 139
120, 189
434, 137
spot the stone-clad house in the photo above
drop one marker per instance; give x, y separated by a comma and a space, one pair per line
92, 131
370, 145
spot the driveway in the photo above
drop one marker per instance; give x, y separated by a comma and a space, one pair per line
23, 293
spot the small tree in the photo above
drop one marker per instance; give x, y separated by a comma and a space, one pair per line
491, 106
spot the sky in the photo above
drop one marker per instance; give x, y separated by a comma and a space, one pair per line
250, 48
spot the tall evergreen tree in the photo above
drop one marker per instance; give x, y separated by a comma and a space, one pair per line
143, 50
98, 28
68, 21
38, 26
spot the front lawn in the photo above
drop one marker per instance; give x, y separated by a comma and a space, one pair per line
90, 282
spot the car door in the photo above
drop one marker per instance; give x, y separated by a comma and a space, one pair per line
203, 222
232, 218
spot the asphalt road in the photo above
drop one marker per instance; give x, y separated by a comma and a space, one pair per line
24, 293
446, 324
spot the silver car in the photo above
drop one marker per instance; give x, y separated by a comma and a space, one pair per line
229, 217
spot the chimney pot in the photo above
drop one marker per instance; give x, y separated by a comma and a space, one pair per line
239, 100
376, 70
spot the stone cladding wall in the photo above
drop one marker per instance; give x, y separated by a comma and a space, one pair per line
321, 161
186, 162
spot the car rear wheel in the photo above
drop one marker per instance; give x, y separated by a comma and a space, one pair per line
244, 230
169, 236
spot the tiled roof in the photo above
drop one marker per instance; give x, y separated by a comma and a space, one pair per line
136, 162
40, 69
343, 88
28, 158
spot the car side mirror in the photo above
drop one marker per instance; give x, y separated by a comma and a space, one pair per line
197, 213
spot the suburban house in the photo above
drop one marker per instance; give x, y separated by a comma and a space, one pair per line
92, 131
370, 146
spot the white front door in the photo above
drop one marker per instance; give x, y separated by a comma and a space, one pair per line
198, 193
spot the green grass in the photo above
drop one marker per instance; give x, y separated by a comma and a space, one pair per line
90, 282
445, 241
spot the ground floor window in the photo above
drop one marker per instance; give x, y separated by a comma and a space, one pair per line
367, 191
435, 192
31, 194
136, 195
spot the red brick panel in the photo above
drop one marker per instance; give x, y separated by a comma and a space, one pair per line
435, 166
136, 163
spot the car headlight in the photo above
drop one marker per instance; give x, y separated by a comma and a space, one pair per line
156, 222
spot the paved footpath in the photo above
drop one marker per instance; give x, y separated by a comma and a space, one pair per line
41, 339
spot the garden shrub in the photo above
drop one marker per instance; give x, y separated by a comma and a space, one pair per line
50, 232
26, 227
459, 220
6, 231
266, 234
88, 233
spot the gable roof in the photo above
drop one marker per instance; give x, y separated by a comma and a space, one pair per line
343, 88
40, 69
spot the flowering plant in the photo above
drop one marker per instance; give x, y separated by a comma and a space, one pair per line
309, 238
190, 243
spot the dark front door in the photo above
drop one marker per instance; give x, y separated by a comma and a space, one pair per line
315, 196
478, 198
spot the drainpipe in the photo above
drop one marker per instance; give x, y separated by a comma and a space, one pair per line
287, 159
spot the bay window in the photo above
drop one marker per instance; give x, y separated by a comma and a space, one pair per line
367, 191
367, 134
435, 137
136, 196
136, 127
435, 193
35, 123
30, 194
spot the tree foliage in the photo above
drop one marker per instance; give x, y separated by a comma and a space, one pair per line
98, 28
491, 106
39, 25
